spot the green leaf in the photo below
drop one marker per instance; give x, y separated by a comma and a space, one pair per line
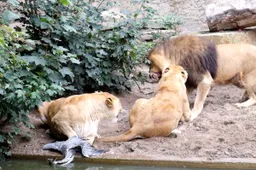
36, 20
102, 52
29, 41
61, 49
16, 130
63, 18
44, 25
75, 61
69, 28
55, 77
89, 58
16, 45
13, 2
46, 19
71, 88
8, 153
2, 139
18, 86
56, 87
31, 126
64, 2
47, 40
34, 59
19, 93
50, 92
66, 71
1, 93
34, 95
42, 87
27, 47
2, 42
8, 16
34, 83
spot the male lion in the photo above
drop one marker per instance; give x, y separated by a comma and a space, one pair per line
160, 115
77, 117
207, 64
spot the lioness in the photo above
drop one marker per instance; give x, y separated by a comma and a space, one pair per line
79, 115
160, 115
207, 64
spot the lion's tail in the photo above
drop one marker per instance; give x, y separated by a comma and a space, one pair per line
129, 135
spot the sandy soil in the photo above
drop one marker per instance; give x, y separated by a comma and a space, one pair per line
221, 131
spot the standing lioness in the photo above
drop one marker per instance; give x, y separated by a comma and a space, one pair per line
160, 115
207, 64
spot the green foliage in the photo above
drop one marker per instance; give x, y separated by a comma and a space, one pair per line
66, 46
87, 54
22, 87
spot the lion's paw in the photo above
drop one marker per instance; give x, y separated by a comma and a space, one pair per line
174, 133
239, 105
244, 104
193, 116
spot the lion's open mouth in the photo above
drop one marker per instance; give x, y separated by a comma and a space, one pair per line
155, 76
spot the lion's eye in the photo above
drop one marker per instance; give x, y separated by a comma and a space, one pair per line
183, 72
166, 70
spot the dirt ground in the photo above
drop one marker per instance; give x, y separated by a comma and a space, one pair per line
221, 131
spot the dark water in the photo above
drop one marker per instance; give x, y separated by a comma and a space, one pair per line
43, 165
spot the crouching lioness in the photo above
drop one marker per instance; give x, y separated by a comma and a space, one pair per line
160, 115
79, 115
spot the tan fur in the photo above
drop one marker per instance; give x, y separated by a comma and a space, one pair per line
236, 64
159, 116
79, 115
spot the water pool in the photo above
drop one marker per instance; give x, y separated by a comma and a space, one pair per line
21, 164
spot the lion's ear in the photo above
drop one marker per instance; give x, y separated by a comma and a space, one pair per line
43, 109
166, 70
184, 74
109, 102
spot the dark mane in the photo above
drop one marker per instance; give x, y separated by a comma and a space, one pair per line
193, 53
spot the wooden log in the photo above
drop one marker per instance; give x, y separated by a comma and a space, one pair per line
230, 16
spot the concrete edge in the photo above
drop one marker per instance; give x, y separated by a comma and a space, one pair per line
226, 37
231, 163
